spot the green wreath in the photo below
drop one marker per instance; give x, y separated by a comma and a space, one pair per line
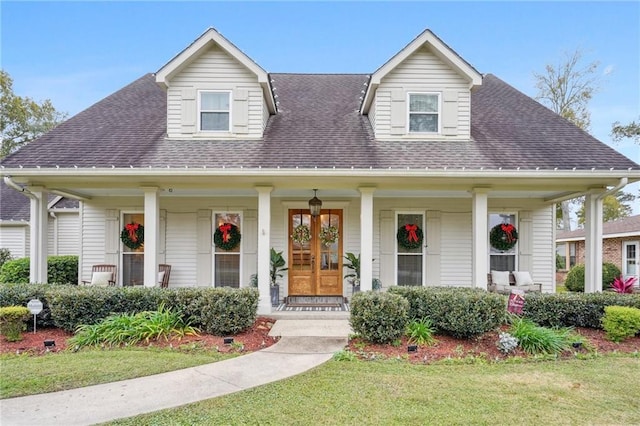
132, 235
227, 236
503, 236
301, 234
410, 236
329, 235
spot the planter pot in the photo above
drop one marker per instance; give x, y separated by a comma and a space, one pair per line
355, 289
275, 295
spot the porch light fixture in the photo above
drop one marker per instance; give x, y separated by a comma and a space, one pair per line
315, 204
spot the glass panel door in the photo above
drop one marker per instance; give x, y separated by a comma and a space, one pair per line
410, 261
132, 259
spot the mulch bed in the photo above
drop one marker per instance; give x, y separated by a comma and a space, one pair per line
257, 338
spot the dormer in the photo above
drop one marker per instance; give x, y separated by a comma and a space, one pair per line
215, 91
423, 92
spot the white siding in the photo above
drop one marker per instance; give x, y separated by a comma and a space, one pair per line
16, 239
455, 249
93, 234
181, 249
422, 72
544, 249
215, 70
64, 234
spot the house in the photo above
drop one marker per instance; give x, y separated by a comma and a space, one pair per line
436, 171
62, 224
620, 246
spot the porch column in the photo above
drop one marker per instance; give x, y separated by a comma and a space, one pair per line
479, 245
151, 224
264, 255
38, 224
593, 243
366, 237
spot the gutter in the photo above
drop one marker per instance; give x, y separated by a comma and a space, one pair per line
11, 184
623, 182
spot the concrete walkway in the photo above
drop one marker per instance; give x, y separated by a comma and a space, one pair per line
304, 344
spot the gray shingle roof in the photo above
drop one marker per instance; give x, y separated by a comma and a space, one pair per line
625, 225
318, 125
16, 206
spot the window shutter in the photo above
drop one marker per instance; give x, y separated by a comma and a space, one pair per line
398, 112
111, 236
433, 239
188, 112
240, 111
162, 242
249, 244
204, 243
450, 113
525, 242
387, 247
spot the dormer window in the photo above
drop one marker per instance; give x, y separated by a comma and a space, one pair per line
424, 113
214, 111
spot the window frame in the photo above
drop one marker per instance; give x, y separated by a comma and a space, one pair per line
125, 251
200, 110
397, 253
438, 114
214, 251
515, 247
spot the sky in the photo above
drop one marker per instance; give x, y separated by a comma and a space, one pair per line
76, 53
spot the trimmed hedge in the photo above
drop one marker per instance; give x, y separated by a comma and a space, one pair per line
575, 277
459, 312
574, 309
379, 317
621, 322
60, 270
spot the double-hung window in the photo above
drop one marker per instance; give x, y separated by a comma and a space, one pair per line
410, 261
226, 263
214, 111
424, 112
502, 260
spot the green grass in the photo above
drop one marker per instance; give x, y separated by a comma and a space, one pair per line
372, 393
28, 375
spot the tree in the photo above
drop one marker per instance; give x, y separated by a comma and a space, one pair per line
567, 89
631, 131
613, 207
21, 118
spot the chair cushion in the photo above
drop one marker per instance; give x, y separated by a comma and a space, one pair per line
500, 278
160, 277
523, 278
101, 279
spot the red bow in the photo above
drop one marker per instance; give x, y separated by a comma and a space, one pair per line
411, 229
132, 228
508, 228
225, 228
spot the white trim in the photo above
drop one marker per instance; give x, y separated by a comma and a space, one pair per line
437, 113
395, 247
604, 237
122, 249
199, 111
516, 248
625, 260
213, 246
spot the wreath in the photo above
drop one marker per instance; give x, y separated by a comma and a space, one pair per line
410, 236
301, 234
329, 235
132, 235
227, 236
503, 236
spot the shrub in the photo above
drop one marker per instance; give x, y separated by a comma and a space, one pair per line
506, 343
5, 256
575, 277
226, 310
15, 271
459, 312
379, 317
130, 329
573, 309
621, 285
421, 332
20, 294
621, 322
60, 270
12, 322
534, 339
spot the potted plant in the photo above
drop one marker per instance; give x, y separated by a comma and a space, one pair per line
277, 267
354, 277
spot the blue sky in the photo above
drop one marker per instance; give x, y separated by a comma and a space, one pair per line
76, 53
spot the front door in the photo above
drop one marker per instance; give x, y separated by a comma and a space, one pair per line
315, 253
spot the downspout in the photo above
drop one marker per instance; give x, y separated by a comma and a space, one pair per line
11, 184
623, 182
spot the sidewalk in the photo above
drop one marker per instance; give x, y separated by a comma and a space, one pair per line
304, 344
